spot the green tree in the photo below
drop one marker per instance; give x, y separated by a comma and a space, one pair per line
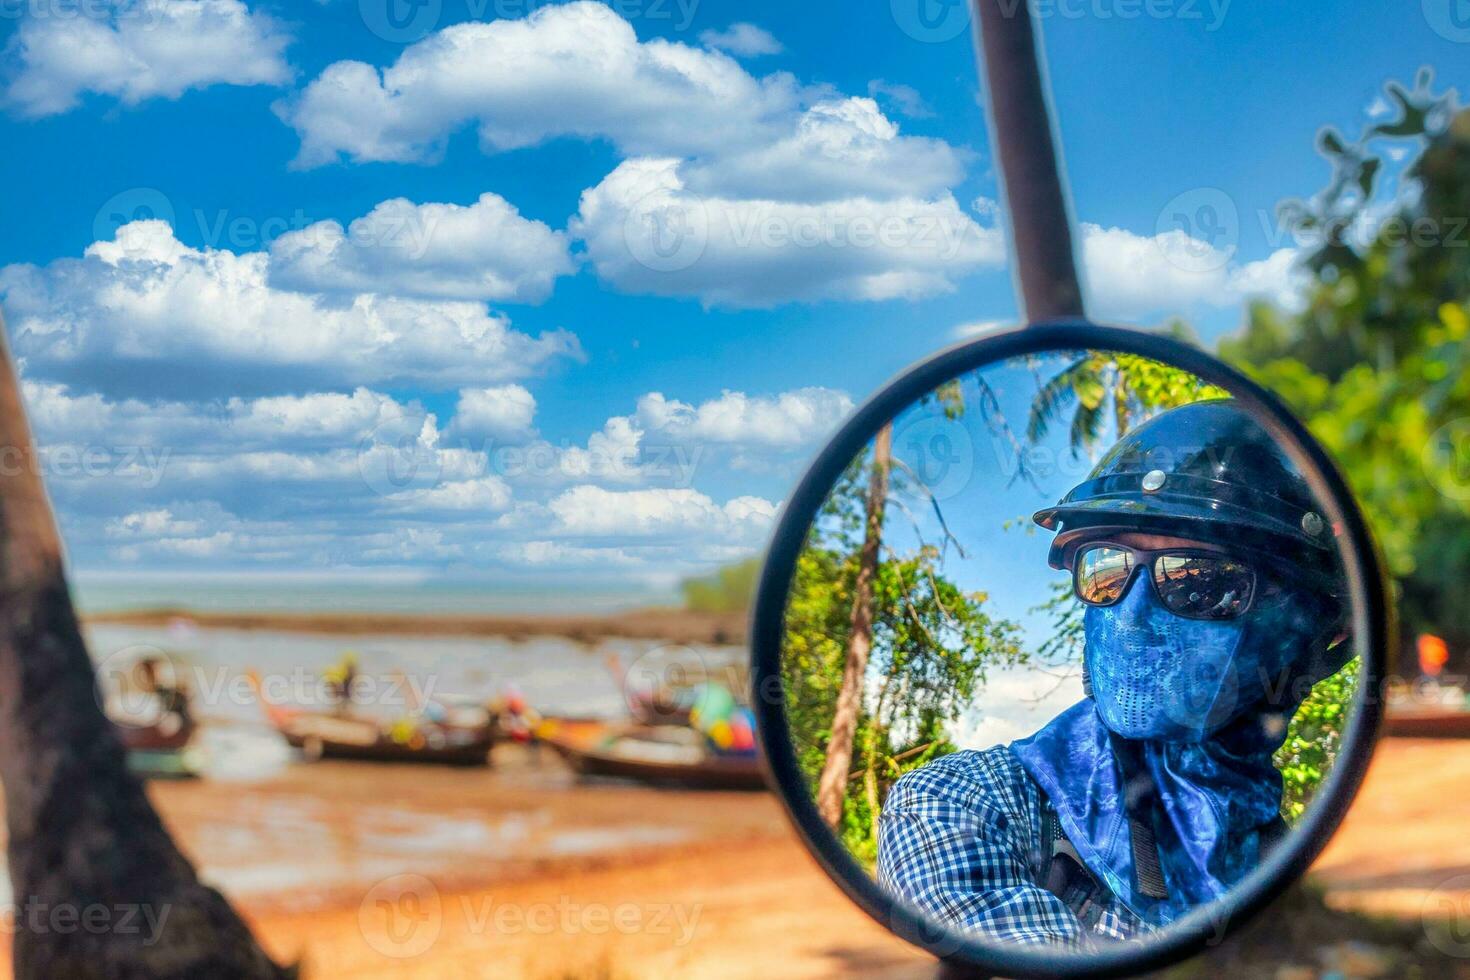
725, 590
931, 645
1313, 739
1109, 392
1375, 361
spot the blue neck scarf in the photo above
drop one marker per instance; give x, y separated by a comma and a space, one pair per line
1198, 708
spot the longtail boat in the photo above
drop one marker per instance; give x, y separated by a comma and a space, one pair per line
661, 754
463, 738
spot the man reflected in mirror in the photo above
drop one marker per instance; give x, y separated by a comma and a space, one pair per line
1211, 589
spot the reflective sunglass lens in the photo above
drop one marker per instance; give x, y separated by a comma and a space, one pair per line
1102, 574
1203, 587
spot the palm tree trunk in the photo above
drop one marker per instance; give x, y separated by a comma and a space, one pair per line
100, 889
833, 783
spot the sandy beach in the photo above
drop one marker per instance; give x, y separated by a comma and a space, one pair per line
390, 871
524, 871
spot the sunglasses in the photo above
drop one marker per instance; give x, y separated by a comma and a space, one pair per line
1192, 584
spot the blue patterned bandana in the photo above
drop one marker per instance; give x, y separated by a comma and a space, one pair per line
1198, 707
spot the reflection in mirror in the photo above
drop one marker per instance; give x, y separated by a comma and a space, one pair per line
1065, 650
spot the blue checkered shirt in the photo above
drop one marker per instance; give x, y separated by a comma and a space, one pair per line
961, 840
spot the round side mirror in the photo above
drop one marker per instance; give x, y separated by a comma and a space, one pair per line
1066, 652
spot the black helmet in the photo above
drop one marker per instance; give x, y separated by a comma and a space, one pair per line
1206, 471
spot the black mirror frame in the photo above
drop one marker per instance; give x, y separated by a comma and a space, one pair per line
1373, 630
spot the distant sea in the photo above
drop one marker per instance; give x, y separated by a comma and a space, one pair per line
393, 592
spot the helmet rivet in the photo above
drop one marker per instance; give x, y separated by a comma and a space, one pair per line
1153, 481
1312, 523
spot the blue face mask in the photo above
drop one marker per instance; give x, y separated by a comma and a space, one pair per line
1200, 706
1158, 676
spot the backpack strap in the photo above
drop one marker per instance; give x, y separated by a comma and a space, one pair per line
1141, 803
1148, 875
1066, 876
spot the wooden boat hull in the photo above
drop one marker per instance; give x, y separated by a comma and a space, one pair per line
649, 754
331, 737
714, 774
156, 738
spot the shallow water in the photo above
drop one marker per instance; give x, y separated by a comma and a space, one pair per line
395, 676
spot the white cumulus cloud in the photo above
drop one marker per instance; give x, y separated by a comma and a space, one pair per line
314, 420
138, 50
787, 420
838, 149
742, 39
482, 495
146, 299
579, 70
668, 442
504, 412
594, 511
484, 251
647, 232
781, 192
1132, 275
576, 69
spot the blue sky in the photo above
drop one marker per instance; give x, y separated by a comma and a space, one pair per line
512, 366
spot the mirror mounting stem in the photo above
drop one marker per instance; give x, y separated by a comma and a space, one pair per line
1041, 229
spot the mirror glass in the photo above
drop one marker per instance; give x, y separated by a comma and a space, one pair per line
1067, 650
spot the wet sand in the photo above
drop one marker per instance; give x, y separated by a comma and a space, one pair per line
577, 879
521, 871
